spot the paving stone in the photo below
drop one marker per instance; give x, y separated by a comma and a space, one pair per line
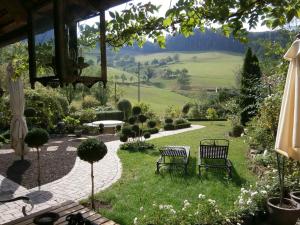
75, 186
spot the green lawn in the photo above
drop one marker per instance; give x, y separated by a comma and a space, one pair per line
158, 98
140, 186
207, 69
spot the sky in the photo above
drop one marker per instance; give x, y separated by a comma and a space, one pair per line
165, 5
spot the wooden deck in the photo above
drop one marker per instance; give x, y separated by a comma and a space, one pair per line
64, 210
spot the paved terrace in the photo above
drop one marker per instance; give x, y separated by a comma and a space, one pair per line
74, 186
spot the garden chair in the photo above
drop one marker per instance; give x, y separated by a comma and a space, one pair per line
213, 154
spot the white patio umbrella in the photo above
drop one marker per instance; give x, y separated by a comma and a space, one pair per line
288, 133
18, 126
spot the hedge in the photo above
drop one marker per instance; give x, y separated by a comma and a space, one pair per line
204, 119
182, 125
151, 130
110, 115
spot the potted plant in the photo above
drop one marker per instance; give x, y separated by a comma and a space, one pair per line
92, 150
282, 210
36, 138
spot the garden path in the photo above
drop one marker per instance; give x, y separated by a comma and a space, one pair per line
74, 186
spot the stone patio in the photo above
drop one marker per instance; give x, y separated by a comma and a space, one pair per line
74, 186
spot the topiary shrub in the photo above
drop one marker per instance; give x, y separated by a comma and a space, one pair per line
36, 138
132, 120
126, 130
169, 120
147, 135
92, 150
151, 123
153, 130
186, 108
124, 105
30, 112
136, 110
136, 129
118, 128
123, 138
180, 121
142, 118
169, 126
237, 130
101, 128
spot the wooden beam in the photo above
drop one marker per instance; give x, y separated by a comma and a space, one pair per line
16, 11
103, 47
59, 37
31, 49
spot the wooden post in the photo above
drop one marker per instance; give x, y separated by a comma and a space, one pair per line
31, 49
73, 48
59, 38
139, 82
103, 47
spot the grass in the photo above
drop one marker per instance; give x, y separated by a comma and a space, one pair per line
140, 186
207, 69
158, 98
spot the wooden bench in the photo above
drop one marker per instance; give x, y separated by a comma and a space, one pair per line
63, 210
173, 156
213, 154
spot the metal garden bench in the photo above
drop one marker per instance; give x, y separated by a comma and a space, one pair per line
173, 156
213, 154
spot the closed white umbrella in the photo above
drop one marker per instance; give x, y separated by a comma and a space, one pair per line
288, 133
18, 126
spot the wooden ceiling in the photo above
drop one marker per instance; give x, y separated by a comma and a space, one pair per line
13, 15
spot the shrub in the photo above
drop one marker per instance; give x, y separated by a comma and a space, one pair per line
110, 115
151, 124
123, 138
133, 146
147, 135
118, 128
136, 129
147, 111
169, 120
237, 130
180, 121
136, 110
211, 114
71, 123
132, 120
126, 130
182, 125
124, 105
87, 116
89, 101
186, 108
142, 118
153, 130
101, 128
169, 126
172, 111
36, 138
30, 112
92, 150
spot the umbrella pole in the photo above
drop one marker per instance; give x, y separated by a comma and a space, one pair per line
281, 177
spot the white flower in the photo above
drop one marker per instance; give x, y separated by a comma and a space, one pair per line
142, 208
213, 202
263, 192
228, 220
249, 201
254, 193
173, 211
135, 220
241, 201
201, 196
161, 206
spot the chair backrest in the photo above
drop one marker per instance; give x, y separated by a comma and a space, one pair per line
174, 151
214, 148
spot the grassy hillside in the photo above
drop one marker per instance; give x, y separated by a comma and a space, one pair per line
159, 99
207, 69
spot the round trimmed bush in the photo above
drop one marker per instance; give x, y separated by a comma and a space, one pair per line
126, 131
168, 120
142, 118
91, 150
132, 120
186, 108
30, 112
136, 129
147, 135
180, 121
151, 123
36, 137
124, 105
101, 128
118, 128
123, 138
136, 110
169, 126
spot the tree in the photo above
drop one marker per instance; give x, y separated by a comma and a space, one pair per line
149, 73
36, 138
123, 77
92, 150
250, 80
125, 106
183, 79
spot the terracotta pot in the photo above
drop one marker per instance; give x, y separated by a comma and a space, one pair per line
280, 215
295, 195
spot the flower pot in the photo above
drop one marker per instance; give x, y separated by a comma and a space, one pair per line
286, 214
48, 218
295, 195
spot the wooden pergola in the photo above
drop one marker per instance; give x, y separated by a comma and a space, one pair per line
24, 19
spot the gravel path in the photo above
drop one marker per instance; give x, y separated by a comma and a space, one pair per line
73, 186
